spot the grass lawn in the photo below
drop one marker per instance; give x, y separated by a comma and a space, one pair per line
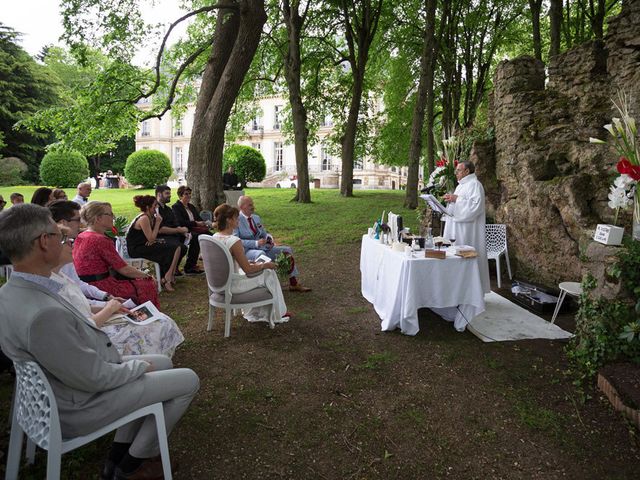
330, 396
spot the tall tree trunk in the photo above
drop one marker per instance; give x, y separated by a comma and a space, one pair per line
360, 21
424, 87
235, 43
535, 6
349, 137
292, 66
555, 17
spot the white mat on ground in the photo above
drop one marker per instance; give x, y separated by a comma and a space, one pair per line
503, 321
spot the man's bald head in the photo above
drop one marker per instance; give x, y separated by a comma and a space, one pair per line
245, 205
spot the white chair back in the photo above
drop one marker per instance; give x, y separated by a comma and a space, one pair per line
35, 405
496, 238
218, 263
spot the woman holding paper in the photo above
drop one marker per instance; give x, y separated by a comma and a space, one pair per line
159, 337
226, 220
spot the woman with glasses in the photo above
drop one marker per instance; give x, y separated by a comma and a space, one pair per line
159, 337
187, 216
97, 261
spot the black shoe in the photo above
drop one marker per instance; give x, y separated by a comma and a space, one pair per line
178, 273
108, 470
193, 271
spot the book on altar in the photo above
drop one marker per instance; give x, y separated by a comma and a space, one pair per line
140, 315
466, 251
434, 204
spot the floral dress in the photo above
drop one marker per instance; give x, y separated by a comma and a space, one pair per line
96, 254
159, 337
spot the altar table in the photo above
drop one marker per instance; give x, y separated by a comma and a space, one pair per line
398, 285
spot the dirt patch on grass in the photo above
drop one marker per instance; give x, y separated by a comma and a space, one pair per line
330, 396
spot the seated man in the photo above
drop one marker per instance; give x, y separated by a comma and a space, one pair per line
170, 231
93, 385
16, 198
230, 179
257, 241
82, 197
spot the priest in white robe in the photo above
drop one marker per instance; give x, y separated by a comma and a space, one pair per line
466, 217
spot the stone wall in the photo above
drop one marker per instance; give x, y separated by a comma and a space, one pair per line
545, 180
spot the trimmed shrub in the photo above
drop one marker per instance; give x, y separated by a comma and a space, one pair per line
147, 168
248, 163
63, 168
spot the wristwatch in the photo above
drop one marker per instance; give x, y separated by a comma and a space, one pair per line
107, 297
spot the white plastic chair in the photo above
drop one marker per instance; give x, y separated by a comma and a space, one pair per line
121, 247
218, 267
35, 413
496, 239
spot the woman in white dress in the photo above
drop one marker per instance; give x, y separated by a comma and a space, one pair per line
226, 220
159, 337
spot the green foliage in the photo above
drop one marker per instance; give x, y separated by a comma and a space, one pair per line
12, 170
147, 168
25, 87
63, 168
608, 330
120, 224
248, 163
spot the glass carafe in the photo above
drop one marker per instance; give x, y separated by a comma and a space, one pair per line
428, 239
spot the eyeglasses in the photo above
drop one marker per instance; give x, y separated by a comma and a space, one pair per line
63, 237
74, 220
108, 214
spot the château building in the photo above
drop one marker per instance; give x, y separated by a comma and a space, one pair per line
264, 133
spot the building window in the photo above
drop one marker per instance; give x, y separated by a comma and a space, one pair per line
357, 164
178, 160
327, 121
393, 169
256, 124
325, 158
277, 156
146, 128
256, 146
276, 117
177, 128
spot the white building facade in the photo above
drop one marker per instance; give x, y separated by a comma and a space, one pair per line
264, 133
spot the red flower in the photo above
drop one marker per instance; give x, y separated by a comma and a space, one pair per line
442, 162
625, 167
455, 163
114, 230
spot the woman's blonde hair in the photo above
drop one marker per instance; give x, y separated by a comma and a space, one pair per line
92, 210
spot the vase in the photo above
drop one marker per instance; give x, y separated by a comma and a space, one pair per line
635, 232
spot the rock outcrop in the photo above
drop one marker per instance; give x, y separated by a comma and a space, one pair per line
545, 180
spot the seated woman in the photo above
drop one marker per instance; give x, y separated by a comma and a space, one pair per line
59, 194
159, 337
226, 220
143, 241
187, 216
98, 262
42, 196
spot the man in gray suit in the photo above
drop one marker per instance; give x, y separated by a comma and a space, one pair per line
257, 241
92, 383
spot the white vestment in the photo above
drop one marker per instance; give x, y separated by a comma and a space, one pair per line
466, 222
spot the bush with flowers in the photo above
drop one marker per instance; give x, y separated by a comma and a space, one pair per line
625, 140
443, 177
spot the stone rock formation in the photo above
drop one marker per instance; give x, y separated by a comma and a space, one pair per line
545, 180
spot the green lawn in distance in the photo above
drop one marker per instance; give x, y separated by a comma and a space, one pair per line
330, 219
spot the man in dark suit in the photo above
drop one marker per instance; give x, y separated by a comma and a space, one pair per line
93, 385
170, 231
257, 241
187, 215
230, 179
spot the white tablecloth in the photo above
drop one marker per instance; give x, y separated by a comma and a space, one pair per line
398, 286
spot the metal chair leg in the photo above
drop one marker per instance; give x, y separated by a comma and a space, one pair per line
558, 305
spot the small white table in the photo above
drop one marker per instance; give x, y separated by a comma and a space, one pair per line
398, 285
